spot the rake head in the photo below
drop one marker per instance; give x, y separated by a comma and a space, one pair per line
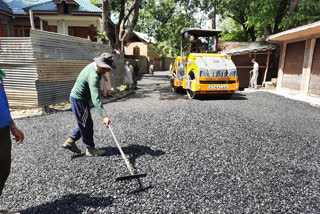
129, 177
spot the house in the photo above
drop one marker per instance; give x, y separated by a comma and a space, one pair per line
140, 44
299, 65
71, 17
242, 56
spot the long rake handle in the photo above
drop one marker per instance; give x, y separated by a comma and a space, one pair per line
122, 153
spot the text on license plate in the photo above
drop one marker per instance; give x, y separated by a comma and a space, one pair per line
218, 87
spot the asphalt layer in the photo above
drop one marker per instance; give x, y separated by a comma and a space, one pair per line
254, 153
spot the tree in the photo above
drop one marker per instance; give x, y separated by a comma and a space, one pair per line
164, 19
128, 14
278, 15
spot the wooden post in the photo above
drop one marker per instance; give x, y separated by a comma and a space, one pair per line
266, 71
41, 24
31, 19
307, 72
281, 65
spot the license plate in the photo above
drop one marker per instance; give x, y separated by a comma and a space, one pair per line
218, 87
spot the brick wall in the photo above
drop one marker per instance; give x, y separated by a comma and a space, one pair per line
143, 48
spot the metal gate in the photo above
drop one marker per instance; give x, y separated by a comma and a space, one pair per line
293, 66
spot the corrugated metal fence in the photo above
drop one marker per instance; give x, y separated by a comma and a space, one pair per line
42, 68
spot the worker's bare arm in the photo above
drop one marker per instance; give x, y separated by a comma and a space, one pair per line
19, 136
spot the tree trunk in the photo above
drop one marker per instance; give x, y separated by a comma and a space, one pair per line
214, 14
279, 16
118, 33
267, 30
252, 33
293, 7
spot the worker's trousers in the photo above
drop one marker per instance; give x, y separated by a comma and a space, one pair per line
84, 128
5, 155
254, 79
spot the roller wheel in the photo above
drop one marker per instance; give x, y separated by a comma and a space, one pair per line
191, 94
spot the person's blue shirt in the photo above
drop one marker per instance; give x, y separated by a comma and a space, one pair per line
5, 117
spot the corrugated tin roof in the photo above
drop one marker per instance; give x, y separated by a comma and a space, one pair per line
18, 6
45, 6
249, 49
86, 6
4, 7
145, 37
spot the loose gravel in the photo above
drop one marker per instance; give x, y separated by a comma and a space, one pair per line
255, 153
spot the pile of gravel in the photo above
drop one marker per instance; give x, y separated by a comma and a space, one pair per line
254, 153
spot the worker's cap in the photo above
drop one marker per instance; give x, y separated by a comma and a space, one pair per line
105, 60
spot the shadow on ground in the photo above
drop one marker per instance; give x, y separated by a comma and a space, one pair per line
235, 96
133, 152
71, 204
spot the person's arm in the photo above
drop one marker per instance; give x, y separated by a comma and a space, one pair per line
19, 136
96, 101
105, 77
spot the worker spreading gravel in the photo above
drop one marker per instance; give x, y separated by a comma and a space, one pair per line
254, 153
85, 89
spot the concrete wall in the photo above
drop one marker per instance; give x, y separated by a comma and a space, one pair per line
165, 63
141, 61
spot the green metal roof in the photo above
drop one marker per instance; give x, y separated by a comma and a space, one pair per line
84, 6
45, 6
18, 6
4, 7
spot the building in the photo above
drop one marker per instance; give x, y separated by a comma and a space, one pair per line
139, 44
242, 56
299, 65
71, 17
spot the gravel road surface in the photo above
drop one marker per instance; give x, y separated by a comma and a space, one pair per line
254, 153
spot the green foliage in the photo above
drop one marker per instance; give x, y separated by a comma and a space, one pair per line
100, 35
95, 2
241, 20
307, 12
231, 31
164, 19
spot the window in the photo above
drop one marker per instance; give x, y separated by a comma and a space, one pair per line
65, 7
3, 30
22, 31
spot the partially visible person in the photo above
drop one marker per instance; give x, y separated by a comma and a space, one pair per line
151, 69
128, 77
85, 89
135, 76
7, 126
255, 74
105, 85
170, 68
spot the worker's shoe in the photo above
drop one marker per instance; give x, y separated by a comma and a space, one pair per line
93, 152
71, 145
